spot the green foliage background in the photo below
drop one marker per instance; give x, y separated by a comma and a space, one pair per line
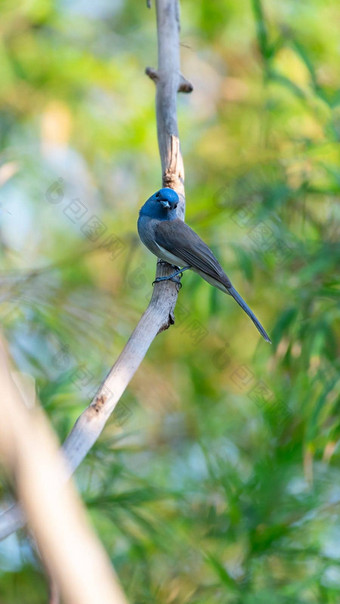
218, 479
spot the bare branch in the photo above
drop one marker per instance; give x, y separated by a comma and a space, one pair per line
160, 313
29, 453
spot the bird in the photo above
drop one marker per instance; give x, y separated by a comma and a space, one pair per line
173, 241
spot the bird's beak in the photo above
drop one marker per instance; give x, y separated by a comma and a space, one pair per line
165, 204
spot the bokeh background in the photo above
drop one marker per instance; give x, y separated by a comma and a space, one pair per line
218, 478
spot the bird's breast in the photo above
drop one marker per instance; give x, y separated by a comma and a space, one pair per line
146, 229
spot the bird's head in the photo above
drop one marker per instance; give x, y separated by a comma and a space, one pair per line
168, 198
161, 205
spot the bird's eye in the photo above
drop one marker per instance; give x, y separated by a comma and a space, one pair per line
157, 194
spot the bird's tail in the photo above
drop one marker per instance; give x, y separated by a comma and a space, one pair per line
232, 291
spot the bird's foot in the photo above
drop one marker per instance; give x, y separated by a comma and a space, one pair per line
172, 277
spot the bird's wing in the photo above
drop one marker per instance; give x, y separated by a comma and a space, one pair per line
180, 240
175, 237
